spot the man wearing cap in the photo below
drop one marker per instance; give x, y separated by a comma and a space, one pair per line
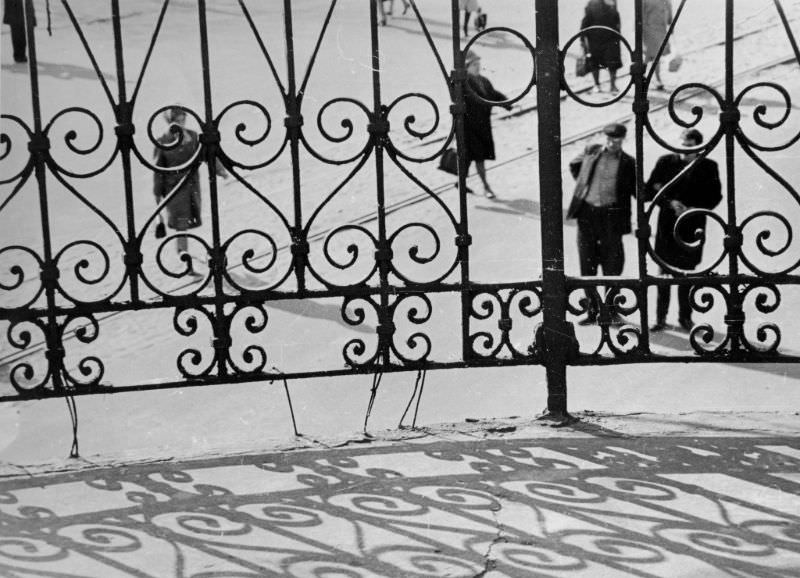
605, 183
679, 183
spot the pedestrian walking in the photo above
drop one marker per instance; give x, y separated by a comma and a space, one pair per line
602, 46
656, 19
468, 7
177, 146
478, 119
14, 16
688, 182
601, 203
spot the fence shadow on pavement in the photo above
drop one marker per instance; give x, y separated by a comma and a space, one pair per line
500, 507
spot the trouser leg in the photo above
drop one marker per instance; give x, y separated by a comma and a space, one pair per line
587, 254
19, 42
684, 306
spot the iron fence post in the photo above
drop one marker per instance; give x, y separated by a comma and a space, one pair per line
556, 337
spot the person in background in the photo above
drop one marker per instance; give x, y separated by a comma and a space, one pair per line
478, 120
656, 18
602, 46
177, 147
468, 7
688, 182
14, 16
601, 202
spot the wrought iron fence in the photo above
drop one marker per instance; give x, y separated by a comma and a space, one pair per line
57, 295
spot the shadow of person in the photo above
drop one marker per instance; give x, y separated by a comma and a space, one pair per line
57, 70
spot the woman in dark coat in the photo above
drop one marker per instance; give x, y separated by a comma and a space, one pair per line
602, 46
478, 120
698, 188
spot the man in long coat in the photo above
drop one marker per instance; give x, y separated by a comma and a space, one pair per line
14, 16
679, 244
601, 202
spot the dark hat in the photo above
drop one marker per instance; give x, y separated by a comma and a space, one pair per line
615, 130
693, 135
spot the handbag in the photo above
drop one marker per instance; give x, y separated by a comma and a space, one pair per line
480, 21
675, 63
448, 162
581, 66
161, 230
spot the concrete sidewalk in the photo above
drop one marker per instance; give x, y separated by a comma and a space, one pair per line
640, 495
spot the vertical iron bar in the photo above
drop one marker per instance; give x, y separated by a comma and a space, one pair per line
294, 121
641, 105
463, 240
383, 254
730, 123
556, 331
39, 148
124, 129
210, 142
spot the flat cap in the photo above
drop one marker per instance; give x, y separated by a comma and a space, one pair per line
615, 130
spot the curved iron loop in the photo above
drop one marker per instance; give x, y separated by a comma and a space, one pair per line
185, 322
414, 251
572, 93
255, 320
69, 139
417, 344
23, 375
7, 147
354, 312
241, 131
353, 249
761, 111
91, 368
531, 50
18, 272
763, 235
346, 124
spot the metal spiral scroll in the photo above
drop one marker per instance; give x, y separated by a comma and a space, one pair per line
91, 368
417, 346
502, 306
254, 319
190, 361
354, 312
23, 374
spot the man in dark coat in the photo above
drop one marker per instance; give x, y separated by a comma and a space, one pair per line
605, 183
14, 16
679, 244
478, 118
602, 46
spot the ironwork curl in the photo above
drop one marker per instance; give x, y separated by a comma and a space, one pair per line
352, 249
764, 235
71, 136
255, 321
21, 339
408, 125
242, 128
346, 124
354, 312
17, 271
416, 342
484, 306
7, 144
416, 254
83, 264
767, 300
185, 322
701, 299
91, 367
248, 257
761, 111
